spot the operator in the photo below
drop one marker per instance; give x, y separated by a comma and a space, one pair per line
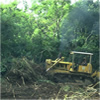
84, 62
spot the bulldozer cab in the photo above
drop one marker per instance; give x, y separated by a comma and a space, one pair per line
85, 65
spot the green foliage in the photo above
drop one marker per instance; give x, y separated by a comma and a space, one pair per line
80, 29
65, 88
52, 26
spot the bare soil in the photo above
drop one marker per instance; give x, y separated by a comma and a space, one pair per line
44, 90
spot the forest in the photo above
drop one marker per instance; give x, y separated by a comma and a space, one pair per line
31, 35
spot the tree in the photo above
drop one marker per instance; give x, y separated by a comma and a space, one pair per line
80, 29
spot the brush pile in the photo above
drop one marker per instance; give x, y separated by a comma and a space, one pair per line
24, 70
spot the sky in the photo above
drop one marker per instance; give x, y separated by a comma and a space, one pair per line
21, 6
28, 1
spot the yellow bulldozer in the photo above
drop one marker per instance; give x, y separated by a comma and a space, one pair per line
63, 71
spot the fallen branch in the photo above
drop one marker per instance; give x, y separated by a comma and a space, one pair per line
23, 81
58, 93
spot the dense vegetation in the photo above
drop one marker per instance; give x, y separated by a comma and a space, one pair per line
50, 27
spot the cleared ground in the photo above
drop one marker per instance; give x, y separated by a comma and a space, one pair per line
45, 89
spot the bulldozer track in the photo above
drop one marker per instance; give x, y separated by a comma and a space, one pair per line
72, 79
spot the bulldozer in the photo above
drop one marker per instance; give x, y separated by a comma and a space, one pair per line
63, 71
